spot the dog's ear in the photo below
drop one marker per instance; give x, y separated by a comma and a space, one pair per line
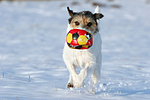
98, 15
71, 13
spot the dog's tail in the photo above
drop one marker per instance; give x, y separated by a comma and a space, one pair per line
97, 11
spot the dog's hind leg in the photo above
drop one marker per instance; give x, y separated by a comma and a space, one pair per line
97, 72
96, 76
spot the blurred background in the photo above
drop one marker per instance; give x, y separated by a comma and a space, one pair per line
32, 36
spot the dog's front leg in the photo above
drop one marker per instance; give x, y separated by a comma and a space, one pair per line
89, 69
70, 82
73, 75
75, 80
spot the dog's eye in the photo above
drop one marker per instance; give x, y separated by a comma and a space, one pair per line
89, 24
77, 23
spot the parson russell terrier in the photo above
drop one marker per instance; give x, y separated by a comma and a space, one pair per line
89, 60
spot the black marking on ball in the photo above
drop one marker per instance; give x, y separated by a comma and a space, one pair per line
69, 45
68, 33
75, 35
89, 46
78, 47
88, 36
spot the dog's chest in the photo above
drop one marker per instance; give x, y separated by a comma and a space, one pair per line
80, 58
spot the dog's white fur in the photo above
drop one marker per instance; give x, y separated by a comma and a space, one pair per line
88, 59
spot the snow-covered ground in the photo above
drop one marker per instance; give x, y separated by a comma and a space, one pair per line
32, 35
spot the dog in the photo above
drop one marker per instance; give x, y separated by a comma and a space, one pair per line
89, 60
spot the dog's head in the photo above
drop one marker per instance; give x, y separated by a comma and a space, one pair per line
84, 20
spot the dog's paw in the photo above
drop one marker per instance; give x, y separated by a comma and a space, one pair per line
70, 85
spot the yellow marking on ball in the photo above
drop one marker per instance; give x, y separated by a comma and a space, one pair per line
69, 38
86, 46
82, 40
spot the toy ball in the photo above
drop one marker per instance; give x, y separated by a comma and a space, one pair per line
79, 39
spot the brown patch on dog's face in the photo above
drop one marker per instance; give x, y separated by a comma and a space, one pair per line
83, 22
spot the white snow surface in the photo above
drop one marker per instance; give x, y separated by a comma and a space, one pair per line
32, 36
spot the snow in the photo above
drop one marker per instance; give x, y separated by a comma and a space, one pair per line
32, 35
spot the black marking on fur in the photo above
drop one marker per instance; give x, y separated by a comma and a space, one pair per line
98, 15
70, 19
70, 85
71, 13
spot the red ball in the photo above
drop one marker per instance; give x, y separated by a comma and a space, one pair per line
79, 39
